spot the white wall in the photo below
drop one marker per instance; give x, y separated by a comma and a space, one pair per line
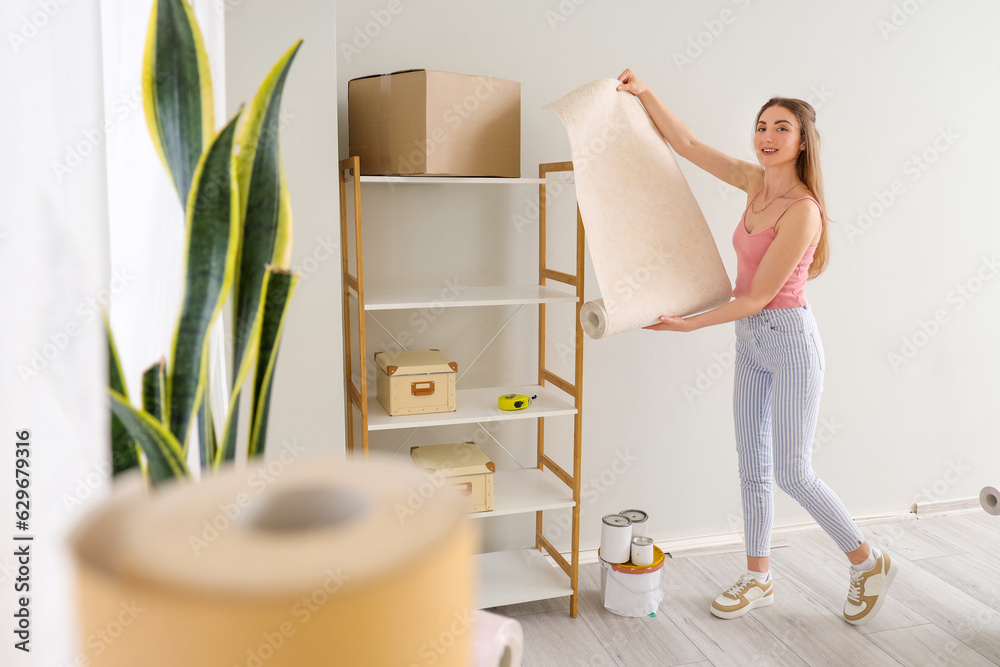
888, 87
307, 397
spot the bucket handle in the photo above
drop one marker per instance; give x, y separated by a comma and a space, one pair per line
622, 584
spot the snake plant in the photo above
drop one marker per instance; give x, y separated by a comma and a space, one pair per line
238, 234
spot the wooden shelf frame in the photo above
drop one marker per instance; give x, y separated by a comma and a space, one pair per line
551, 173
573, 389
357, 395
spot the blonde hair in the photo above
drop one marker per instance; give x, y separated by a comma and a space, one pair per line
807, 168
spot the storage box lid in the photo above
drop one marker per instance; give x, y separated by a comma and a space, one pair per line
415, 362
399, 71
453, 460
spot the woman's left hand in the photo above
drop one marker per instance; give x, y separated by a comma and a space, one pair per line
671, 324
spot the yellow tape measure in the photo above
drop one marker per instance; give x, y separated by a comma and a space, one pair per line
514, 401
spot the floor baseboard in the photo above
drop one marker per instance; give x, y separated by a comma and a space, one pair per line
945, 506
730, 542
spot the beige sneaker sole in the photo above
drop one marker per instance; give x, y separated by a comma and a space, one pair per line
765, 601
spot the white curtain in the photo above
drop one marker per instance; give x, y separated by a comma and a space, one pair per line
53, 278
88, 220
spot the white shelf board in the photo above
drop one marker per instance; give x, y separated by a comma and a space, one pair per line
523, 575
526, 490
467, 180
437, 297
476, 405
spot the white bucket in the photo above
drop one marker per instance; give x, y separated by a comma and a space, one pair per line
628, 590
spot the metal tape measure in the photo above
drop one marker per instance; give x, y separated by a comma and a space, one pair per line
514, 401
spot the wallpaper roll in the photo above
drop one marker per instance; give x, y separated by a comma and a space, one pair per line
989, 498
499, 640
313, 562
652, 250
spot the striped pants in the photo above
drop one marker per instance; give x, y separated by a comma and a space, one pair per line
779, 377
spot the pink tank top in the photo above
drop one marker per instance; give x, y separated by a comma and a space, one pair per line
750, 249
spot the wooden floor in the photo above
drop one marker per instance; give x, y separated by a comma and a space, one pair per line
943, 607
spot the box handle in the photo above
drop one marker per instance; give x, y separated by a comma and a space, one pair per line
468, 488
417, 390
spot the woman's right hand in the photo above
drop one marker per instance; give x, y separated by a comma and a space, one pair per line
630, 83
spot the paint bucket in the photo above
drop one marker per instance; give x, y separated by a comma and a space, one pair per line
630, 590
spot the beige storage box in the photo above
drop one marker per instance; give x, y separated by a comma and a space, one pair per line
415, 382
464, 465
421, 122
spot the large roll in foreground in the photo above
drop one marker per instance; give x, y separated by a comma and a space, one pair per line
311, 563
652, 250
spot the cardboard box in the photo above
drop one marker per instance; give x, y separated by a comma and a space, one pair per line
422, 122
415, 382
465, 466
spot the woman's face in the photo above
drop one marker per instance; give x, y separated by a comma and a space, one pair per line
777, 139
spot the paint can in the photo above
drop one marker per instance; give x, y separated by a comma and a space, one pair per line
642, 551
616, 539
638, 519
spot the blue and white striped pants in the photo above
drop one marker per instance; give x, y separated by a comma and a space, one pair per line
779, 377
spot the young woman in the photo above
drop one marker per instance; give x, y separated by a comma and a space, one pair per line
780, 242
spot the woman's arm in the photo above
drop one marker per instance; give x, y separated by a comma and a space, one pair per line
737, 173
799, 227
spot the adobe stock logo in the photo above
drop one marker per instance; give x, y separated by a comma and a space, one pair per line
900, 16
914, 168
365, 34
566, 9
712, 29
706, 378
30, 25
958, 298
87, 311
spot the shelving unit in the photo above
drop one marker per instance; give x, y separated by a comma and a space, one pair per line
519, 575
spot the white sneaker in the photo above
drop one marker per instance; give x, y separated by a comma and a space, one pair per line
745, 594
868, 590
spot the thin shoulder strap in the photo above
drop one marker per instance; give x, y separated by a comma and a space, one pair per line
813, 200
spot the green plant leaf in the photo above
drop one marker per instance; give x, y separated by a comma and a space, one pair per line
265, 209
163, 453
124, 450
227, 449
177, 91
279, 293
154, 388
210, 254
206, 434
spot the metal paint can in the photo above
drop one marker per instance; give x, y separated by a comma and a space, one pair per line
616, 538
642, 551
638, 519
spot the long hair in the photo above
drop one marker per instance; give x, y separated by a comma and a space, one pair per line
807, 168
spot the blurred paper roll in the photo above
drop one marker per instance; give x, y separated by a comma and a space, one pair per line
316, 562
989, 498
499, 640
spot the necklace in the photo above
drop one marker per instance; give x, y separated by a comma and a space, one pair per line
773, 199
